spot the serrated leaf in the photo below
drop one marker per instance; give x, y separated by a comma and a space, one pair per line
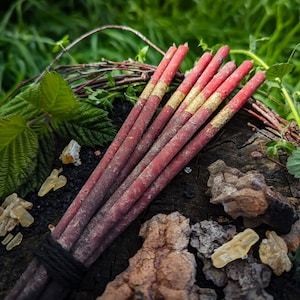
10, 128
278, 71
44, 162
17, 155
20, 105
88, 125
57, 98
102, 98
293, 163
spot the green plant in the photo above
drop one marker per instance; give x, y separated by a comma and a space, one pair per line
30, 124
30, 29
293, 163
277, 96
49, 108
274, 147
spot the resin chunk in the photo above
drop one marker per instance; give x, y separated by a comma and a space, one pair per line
15, 241
53, 181
14, 211
273, 252
61, 181
24, 217
242, 278
70, 154
237, 248
7, 239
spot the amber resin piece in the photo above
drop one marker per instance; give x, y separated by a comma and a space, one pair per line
61, 181
70, 154
7, 239
14, 211
53, 181
240, 279
15, 241
23, 216
237, 248
273, 252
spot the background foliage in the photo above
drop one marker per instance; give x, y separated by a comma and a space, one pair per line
30, 30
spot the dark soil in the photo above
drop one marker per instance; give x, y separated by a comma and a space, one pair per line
187, 193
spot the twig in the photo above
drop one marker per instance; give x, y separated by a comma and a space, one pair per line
280, 126
97, 30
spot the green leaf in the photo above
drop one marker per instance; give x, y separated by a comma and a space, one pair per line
141, 56
278, 71
203, 45
131, 94
56, 97
273, 147
19, 147
44, 162
293, 163
88, 125
102, 98
21, 104
10, 128
61, 44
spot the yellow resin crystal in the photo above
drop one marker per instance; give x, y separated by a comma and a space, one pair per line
237, 248
273, 252
15, 241
23, 216
13, 211
70, 154
7, 239
61, 181
53, 181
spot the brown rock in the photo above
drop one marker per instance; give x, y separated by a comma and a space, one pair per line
163, 268
247, 195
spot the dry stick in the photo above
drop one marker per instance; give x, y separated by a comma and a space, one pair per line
107, 217
149, 137
176, 122
27, 283
276, 122
97, 30
115, 145
181, 160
